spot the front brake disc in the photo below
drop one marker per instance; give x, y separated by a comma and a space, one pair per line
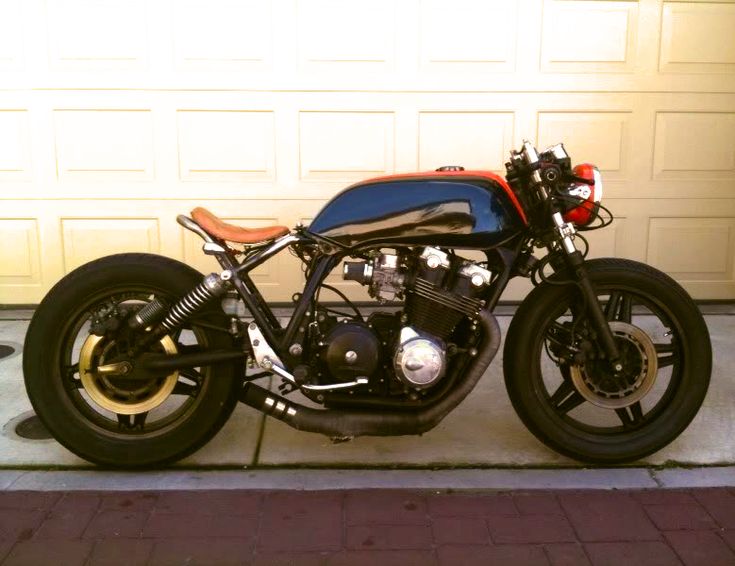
632, 392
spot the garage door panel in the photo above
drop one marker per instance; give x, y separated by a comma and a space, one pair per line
15, 146
692, 248
329, 41
86, 35
21, 261
606, 242
475, 140
479, 44
225, 44
697, 37
226, 145
345, 146
11, 36
694, 146
581, 36
601, 138
117, 116
697, 252
222, 35
104, 145
85, 239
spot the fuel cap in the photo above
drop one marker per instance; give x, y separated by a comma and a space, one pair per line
444, 168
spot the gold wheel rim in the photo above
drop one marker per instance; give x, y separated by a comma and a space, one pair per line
107, 396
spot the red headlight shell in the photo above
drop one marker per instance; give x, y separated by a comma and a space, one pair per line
591, 194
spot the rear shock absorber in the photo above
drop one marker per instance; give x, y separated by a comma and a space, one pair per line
210, 288
150, 314
213, 286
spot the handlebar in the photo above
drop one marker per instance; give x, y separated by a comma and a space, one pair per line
529, 153
529, 159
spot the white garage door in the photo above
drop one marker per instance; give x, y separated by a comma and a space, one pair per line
116, 115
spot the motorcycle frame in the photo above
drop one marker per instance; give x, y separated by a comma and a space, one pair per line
513, 254
279, 338
330, 253
345, 423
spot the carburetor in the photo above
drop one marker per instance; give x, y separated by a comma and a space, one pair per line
383, 274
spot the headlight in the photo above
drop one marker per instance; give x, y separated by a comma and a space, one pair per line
588, 195
597, 177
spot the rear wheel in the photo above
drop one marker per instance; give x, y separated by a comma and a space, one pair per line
93, 409
571, 399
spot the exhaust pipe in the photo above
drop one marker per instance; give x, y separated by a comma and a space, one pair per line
337, 423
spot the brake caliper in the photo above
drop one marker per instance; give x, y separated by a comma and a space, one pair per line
107, 319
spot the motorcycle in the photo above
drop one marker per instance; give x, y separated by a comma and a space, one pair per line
138, 360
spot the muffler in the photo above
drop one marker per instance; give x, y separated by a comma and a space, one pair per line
344, 423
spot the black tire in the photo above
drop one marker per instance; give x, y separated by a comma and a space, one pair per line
548, 414
57, 401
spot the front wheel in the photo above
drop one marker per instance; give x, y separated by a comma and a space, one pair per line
570, 398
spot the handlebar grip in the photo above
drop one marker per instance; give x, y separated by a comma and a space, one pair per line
530, 155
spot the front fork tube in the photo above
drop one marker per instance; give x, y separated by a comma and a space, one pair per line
575, 261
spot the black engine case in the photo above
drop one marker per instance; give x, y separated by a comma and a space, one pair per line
351, 350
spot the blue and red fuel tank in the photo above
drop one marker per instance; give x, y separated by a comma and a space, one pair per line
453, 209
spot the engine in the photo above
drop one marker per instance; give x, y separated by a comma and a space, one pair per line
440, 292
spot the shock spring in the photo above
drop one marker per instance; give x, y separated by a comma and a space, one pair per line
212, 286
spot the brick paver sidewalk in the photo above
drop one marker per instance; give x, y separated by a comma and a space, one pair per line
368, 527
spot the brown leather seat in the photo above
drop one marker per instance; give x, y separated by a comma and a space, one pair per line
224, 231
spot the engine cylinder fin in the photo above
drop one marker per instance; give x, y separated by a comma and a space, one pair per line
467, 306
437, 311
430, 317
444, 303
464, 309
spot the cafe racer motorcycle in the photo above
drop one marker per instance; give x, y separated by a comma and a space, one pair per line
138, 360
